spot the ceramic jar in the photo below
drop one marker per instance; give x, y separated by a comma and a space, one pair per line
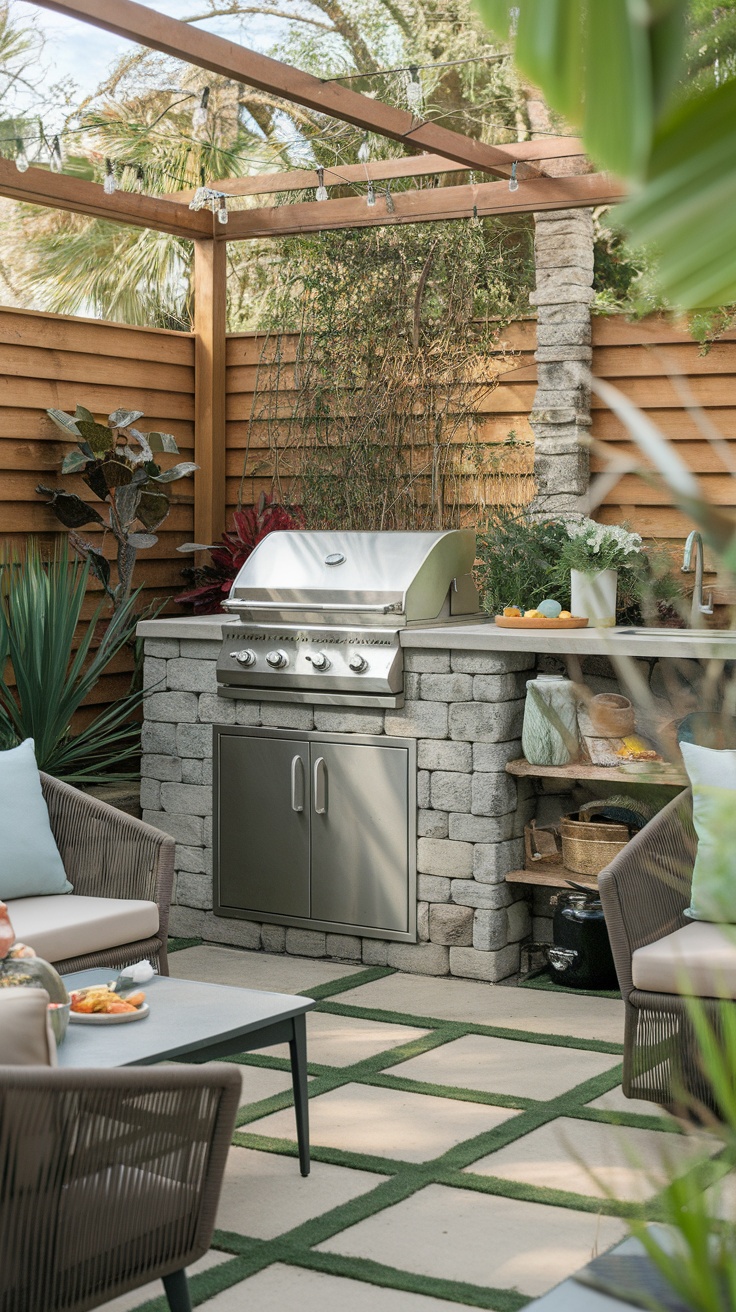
550, 732
593, 596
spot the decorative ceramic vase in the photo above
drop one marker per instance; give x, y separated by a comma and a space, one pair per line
550, 732
593, 596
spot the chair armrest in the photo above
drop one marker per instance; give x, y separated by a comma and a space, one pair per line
113, 1176
107, 853
646, 888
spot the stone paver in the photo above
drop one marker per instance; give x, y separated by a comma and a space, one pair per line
259, 1082
129, 1302
598, 1160
343, 1040
386, 1122
505, 1066
280, 1287
616, 1101
264, 1195
497, 1242
255, 970
523, 1009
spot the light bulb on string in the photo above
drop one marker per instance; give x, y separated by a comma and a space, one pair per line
475, 222
199, 117
321, 192
513, 180
222, 211
109, 183
414, 93
364, 150
140, 178
56, 161
21, 159
390, 207
371, 198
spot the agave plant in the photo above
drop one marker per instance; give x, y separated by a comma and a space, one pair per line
117, 463
40, 610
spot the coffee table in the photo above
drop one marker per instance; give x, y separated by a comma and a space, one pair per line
195, 1022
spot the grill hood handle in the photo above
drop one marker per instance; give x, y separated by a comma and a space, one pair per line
334, 607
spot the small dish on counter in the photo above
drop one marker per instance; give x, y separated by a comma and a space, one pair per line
540, 622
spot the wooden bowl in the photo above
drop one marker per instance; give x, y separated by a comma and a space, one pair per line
521, 622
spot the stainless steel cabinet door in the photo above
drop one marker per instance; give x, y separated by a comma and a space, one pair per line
360, 828
263, 825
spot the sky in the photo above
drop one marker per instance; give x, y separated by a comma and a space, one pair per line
85, 55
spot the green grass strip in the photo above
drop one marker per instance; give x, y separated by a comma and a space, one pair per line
539, 1193
178, 944
345, 982
547, 984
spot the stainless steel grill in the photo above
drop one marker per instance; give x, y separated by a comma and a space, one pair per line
320, 614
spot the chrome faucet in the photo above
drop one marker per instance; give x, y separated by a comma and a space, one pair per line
699, 607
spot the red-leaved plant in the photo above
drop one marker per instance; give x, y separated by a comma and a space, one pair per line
212, 583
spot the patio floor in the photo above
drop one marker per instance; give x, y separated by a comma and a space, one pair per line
454, 1130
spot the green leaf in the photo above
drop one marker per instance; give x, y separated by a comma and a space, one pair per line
70, 509
100, 438
74, 461
123, 418
688, 207
64, 422
142, 440
142, 540
82, 413
153, 509
116, 473
95, 480
176, 472
126, 503
163, 442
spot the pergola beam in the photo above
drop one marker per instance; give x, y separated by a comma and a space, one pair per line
434, 203
150, 28
61, 191
381, 170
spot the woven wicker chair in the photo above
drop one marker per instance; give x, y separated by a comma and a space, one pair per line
644, 892
108, 1179
107, 853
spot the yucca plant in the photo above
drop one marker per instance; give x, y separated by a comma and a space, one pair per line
40, 611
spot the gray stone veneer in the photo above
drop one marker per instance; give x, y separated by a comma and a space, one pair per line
465, 710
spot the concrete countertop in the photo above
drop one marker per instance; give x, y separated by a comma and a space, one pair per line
484, 635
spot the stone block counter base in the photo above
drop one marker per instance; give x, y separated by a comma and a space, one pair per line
465, 710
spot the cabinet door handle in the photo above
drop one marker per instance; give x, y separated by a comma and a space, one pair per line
297, 784
320, 786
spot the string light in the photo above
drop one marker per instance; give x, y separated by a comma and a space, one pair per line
390, 207
109, 183
371, 198
475, 221
21, 159
199, 117
56, 161
364, 150
414, 93
321, 192
140, 177
222, 211
513, 180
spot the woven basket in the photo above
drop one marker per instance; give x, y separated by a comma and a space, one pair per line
589, 845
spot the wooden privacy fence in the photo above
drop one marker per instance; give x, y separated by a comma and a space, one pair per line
54, 360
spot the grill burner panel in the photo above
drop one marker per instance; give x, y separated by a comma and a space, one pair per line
321, 613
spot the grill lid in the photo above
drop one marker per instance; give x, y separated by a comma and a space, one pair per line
367, 575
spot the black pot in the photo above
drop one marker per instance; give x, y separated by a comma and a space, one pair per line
580, 955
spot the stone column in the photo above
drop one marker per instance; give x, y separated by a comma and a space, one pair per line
563, 248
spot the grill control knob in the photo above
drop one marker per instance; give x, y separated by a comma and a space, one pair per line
277, 659
358, 663
244, 657
320, 661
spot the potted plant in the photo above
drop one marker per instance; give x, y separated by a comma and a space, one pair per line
592, 555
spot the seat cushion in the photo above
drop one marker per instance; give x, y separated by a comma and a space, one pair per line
25, 1030
70, 926
30, 865
699, 960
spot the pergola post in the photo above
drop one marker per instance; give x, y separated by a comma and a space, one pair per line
210, 286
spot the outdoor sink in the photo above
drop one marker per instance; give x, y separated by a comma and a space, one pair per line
699, 635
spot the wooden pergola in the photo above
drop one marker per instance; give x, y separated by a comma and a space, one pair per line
437, 150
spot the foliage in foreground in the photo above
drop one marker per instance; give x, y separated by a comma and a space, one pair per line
40, 611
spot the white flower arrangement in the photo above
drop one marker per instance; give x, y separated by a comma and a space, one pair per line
594, 547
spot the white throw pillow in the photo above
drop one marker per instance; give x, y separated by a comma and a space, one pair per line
30, 864
712, 774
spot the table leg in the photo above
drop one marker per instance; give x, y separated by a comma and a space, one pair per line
298, 1053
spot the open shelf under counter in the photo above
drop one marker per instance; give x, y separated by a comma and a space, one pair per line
669, 776
550, 875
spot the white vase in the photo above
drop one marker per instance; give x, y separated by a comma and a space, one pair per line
593, 596
549, 734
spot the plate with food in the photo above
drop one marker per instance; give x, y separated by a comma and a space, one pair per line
549, 614
102, 1005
